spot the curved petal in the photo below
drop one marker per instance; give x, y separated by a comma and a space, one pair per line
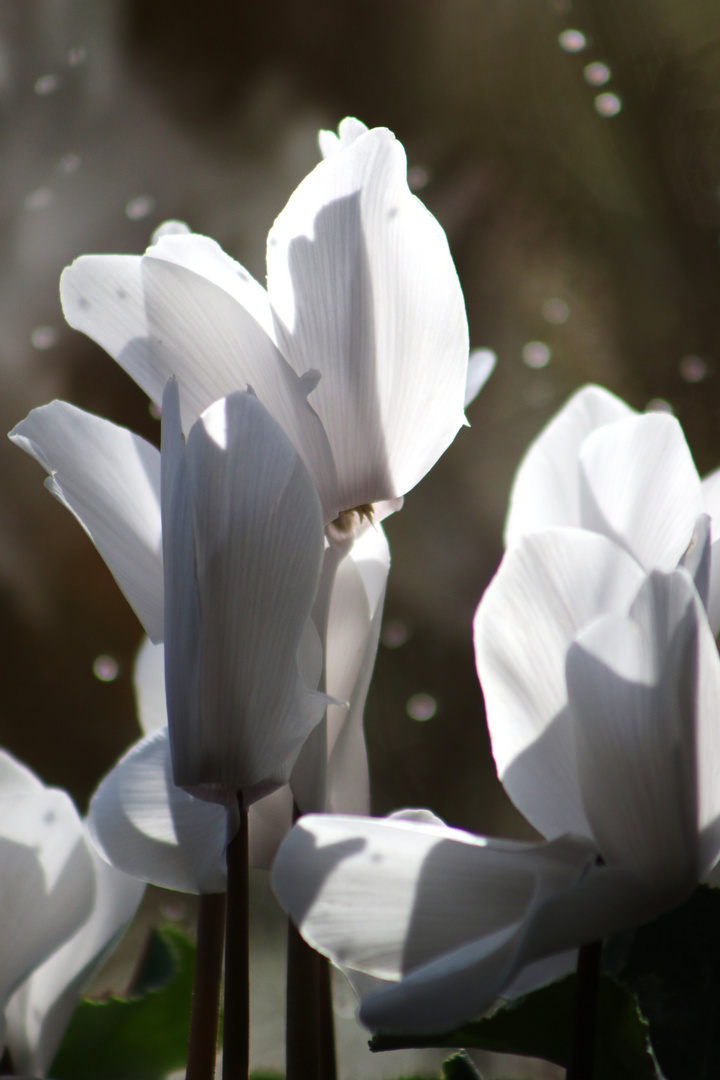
149, 683
396, 899
644, 694
481, 365
258, 533
146, 826
353, 634
547, 588
639, 486
47, 885
546, 489
331, 772
270, 818
110, 480
364, 290
572, 903
349, 130
711, 502
40, 1010
181, 310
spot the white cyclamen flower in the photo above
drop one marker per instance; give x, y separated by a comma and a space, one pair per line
242, 533
359, 347
599, 465
628, 763
63, 911
146, 825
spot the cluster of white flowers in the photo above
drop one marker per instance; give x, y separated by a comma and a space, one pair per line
250, 545
293, 421
596, 653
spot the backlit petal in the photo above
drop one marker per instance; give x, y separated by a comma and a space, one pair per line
639, 486
547, 588
546, 491
110, 480
364, 289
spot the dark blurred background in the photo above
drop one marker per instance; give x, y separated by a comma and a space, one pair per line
571, 150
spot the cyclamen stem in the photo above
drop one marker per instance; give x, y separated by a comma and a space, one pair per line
236, 1019
310, 1027
202, 1046
587, 979
310, 1037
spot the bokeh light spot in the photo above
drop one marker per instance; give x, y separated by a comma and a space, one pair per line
421, 707
608, 104
693, 368
69, 164
418, 177
77, 55
596, 74
39, 199
572, 41
105, 668
46, 84
394, 633
44, 337
536, 354
140, 207
555, 311
659, 405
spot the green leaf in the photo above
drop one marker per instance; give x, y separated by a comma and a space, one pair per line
539, 1025
144, 1037
673, 966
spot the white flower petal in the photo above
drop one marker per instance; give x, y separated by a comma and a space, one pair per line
363, 286
160, 318
146, 826
47, 884
349, 130
149, 683
639, 486
40, 1010
387, 896
546, 490
418, 902
697, 559
572, 902
353, 634
548, 587
644, 693
110, 480
481, 365
258, 532
183, 621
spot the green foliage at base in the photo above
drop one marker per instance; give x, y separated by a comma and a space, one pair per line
539, 1025
144, 1037
673, 966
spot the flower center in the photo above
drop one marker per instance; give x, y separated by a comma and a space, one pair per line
348, 522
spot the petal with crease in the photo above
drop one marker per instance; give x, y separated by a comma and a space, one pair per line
546, 491
364, 290
639, 486
547, 588
110, 480
398, 899
146, 826
258, 532
159, 317
644, 693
